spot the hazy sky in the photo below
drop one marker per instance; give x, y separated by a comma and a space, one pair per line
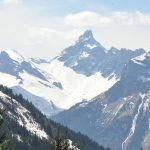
42, 28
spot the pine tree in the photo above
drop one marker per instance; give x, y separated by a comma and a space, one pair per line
53, 145
2, 135
57, 143
66, 145
61, 144
4, 141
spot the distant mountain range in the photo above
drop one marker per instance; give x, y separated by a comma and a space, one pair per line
86, 69
99, 92
80, 72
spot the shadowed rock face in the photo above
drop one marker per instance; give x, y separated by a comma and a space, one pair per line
7, 65
87, 57
135, 78
120, 117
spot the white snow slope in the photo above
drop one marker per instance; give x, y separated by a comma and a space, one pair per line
45, 94
40, 92
23, 116
76, 87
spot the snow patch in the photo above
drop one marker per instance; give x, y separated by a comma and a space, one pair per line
71, 145
18, 137
133, 126
84, 55
24, 117
143, 79
140, 58
138, 62
146, 103
29, 123
91, 46
83, 104
9, 80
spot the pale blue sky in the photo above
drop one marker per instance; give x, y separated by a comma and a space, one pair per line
63, 7
45, 27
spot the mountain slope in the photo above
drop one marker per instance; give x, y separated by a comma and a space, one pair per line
86, 69
80, 72
23, 77
29, 129
118, 118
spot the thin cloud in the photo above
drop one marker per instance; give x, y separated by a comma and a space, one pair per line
44, 33
93, 19
131, 18
87, 19
32, 33
11, 1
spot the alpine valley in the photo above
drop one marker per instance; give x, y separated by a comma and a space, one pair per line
102, 93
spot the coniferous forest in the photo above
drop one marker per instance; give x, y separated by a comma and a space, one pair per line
19, 138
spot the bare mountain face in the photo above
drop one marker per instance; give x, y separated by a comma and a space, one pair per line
120, 117
81, 71
87, 57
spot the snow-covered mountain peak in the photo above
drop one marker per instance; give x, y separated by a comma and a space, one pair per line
86, 35
13, 54
87, 56
83, 57
87, 40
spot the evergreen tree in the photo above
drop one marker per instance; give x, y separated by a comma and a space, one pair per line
4, 141
66, 145
57, 144
61, 144
53, 145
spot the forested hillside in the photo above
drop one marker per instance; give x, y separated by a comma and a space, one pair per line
29, 129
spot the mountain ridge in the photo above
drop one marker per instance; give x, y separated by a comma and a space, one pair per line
87, 65
87, 56
119, 117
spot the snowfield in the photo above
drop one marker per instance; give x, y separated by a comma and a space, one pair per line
80, 72
62, 88
76, 87
23, 117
